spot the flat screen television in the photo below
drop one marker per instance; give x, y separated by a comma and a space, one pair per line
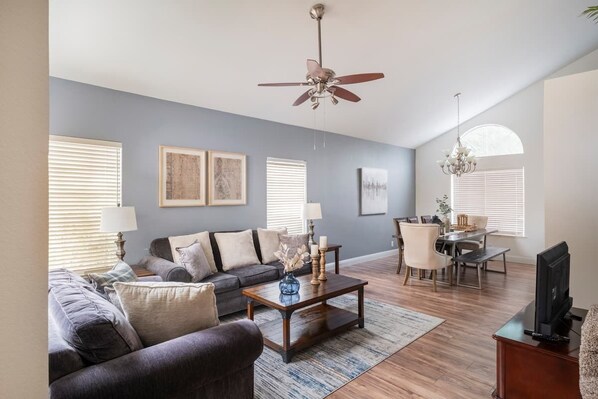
552, 288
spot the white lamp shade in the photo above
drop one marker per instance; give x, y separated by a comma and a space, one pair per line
312, 211
118, 219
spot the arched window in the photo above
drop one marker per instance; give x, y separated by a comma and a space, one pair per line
496, 188
492, 140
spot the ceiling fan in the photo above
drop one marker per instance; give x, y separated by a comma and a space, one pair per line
323, 82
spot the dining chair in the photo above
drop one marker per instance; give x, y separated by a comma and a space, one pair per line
400, 245
413, 219
420, 250
426, 219
470, 245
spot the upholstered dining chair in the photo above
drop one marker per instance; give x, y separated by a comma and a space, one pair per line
420, 250
426, 219
400, 245
481, 222
413, 219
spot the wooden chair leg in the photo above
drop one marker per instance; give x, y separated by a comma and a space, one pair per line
407, 270
434, 272
400, 260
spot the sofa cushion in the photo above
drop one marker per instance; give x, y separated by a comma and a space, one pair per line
63, 359
195, 261
236, 249
256, 274
120, 272
183, 241
88, 322
588, 355
163, 311
223, 282
270, 243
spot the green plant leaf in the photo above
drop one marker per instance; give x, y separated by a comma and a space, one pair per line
591, 13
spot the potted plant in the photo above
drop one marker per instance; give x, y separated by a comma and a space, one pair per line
444, 209
292, 260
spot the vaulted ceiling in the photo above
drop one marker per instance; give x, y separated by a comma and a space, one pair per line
212, 54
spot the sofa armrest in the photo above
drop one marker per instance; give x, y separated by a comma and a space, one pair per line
169, 271
172, 369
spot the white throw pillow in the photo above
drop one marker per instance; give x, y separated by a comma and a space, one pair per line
194, 260
162, 311
184, 241
236, 249
270, 243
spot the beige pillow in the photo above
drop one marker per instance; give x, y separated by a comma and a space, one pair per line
184, 241
236, 249
270, 243
194, 260
162, 311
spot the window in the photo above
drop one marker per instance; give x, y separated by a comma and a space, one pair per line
286, 182
496, 188
492, 140
497, 194
84, 176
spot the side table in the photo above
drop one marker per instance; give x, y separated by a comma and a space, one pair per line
336, 249
141, 271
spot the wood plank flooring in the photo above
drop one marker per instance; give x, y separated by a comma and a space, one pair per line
455, 360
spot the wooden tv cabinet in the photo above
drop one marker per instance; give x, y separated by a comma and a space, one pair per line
528, 369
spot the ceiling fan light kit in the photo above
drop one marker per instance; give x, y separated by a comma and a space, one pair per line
323, 82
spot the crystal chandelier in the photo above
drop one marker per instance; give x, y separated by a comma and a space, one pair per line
460, 160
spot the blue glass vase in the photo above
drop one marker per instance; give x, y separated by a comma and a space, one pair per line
289, 285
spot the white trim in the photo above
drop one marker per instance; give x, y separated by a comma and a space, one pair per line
80, 140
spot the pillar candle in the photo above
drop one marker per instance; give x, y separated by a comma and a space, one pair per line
314, 250
323, 242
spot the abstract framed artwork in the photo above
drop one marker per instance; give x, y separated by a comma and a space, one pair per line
374, 191
227, 178
182, 177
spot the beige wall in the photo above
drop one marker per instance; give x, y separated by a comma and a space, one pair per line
23, 198
570, 179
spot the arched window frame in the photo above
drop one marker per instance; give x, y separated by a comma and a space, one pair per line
476, 129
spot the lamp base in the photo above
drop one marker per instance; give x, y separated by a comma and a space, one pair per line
120, 246
311, 233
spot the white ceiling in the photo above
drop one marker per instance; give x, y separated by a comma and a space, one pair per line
213, 53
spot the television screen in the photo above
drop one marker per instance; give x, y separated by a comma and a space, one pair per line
552, 288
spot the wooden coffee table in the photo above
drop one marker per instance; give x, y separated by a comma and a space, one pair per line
316, 320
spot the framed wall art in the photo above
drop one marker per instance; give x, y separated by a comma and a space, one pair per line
227, 178
374, 191
182, 177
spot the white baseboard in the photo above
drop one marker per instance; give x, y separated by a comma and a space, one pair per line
393, 252
364, 258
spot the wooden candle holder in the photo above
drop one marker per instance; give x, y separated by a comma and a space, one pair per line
322, 276
315, 266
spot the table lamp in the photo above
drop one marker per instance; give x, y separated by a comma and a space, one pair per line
312, 211
116, 219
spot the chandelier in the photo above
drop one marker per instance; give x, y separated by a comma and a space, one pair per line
460, 160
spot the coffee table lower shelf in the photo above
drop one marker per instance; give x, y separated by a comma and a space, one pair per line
307, 327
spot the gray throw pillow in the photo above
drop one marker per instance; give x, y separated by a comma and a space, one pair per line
194, 260
294, 242
120, 272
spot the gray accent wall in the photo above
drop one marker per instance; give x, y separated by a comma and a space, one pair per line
142, 124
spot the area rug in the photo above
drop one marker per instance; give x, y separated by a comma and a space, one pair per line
320, 370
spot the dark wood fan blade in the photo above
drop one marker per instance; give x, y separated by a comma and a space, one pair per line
303, 98
344, 94
282, 84
358, 78
314, 69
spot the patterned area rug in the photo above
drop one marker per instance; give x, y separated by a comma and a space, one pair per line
320, 370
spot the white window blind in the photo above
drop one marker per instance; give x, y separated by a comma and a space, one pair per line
498, 194
84, 176
286, 182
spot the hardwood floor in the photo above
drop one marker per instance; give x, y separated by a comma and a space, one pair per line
455, 360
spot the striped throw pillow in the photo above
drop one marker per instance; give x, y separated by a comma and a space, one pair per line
120, 272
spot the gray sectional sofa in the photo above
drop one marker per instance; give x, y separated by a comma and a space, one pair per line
228, 284
94, 353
